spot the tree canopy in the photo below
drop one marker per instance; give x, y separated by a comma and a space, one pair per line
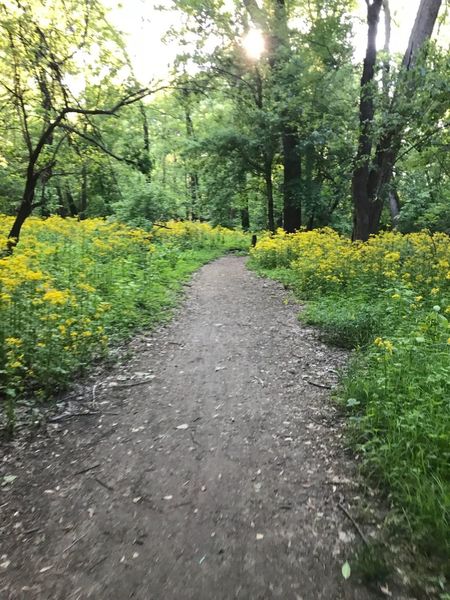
255, 124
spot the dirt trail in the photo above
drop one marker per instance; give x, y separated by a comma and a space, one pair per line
217, 477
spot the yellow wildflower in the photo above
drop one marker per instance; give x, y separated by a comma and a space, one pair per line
56, 297
13, 341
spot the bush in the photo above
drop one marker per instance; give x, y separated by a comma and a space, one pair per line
71, 287
389, 297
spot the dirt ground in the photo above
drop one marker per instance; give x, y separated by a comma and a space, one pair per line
210, 465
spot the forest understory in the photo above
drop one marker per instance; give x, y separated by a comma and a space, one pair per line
209, 462
252, 447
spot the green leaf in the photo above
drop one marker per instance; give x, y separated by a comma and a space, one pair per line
346, 571
352, 402
9, 479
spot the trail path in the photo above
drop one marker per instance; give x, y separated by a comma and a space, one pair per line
218, 476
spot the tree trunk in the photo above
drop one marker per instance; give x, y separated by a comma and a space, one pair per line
369, 184
269, 194
61, 211
144, 161
292, 173
421, 31
73, 210
292, 212
360, 192
192, 181
277, 42
84, 192
390, 143
394, 205
245, 218
192, 176
25, 209
387, 49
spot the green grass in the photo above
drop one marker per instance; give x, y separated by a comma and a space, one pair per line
396, 393
348, 322
77, 289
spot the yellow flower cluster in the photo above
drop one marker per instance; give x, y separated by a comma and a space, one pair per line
190, 233
322, 260
386, 345
69, 282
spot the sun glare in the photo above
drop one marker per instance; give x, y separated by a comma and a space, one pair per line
254, 44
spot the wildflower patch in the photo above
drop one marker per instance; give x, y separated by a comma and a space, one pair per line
73, 287
389, 299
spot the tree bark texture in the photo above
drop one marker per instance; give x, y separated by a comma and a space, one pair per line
292, 181
269, 193
371, 177
361, 201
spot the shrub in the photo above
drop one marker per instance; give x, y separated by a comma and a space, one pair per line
389, 297
71, 287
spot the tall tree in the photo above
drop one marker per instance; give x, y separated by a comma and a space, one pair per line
42, 60
373, 172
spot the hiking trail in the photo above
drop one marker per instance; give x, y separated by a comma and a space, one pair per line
208, 466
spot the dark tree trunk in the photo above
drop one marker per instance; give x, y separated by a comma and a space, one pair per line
164, 172
309, 200
192, 176
269, 193
361, 199
31, 180
25, 210
73, 210
84, 192
43, 203
144, 161
245, 218
292, 212
62, 210
193, 193
292, 174
278, 42
311, 219
370, 184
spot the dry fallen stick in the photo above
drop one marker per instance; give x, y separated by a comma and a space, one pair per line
103, 484
355, 524
319, 385
63, 417
75, 542
87, 469
134, 383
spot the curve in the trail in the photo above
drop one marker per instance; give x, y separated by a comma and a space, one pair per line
213, 471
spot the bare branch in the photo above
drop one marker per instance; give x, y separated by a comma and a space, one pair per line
98, 144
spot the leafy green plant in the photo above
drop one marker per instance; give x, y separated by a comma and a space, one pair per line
73, 288
390, 299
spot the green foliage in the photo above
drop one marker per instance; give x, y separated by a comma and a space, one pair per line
73, 288
389, 299
346, 321
399, 390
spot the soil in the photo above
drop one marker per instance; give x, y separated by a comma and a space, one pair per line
209, 465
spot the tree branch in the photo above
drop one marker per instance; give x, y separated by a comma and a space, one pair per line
99, 145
